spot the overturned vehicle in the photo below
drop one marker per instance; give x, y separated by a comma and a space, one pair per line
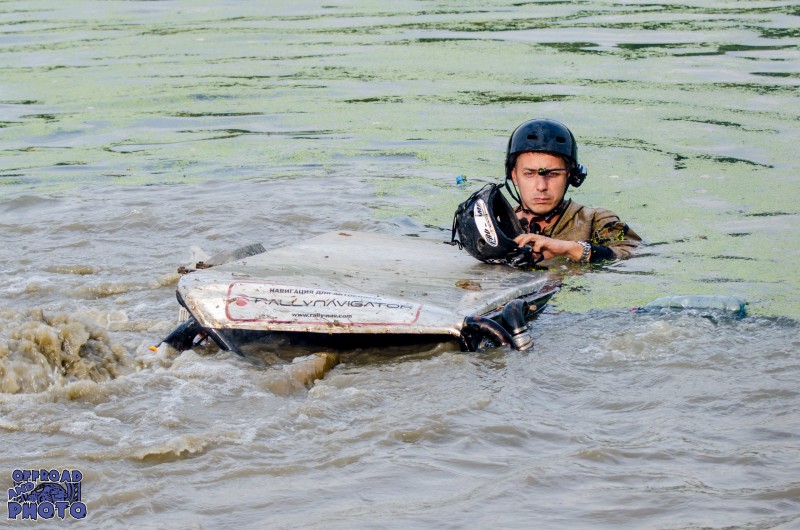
357, 289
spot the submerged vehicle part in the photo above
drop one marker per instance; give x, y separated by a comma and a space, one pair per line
366, 288
733, 305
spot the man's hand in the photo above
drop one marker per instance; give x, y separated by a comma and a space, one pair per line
551, 248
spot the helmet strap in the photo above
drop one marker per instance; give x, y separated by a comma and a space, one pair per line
513, 192
532, 225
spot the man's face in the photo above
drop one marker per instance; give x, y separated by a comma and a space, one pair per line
540, 190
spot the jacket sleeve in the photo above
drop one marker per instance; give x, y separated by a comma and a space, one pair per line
612, 234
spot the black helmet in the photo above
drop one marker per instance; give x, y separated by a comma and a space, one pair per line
546, 136
487, 225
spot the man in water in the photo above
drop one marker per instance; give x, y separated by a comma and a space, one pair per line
542, 162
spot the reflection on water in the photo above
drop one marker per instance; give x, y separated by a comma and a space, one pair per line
131, 133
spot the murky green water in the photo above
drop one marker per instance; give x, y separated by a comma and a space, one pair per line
130, 131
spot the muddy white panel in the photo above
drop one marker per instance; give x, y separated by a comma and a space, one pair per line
351, 282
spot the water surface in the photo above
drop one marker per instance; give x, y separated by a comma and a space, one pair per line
131, 131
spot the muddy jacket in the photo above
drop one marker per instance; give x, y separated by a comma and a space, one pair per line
610, 238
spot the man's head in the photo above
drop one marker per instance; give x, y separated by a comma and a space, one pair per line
539, 145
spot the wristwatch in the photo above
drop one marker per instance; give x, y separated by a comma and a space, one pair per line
587, 251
